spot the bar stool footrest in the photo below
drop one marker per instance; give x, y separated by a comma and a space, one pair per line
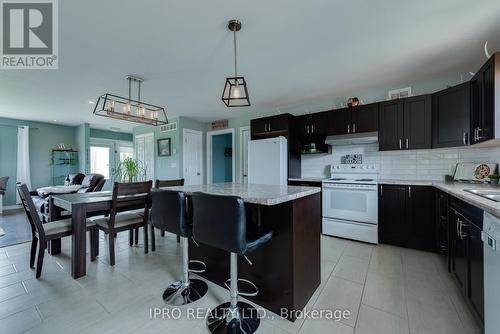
198, 271
254, 293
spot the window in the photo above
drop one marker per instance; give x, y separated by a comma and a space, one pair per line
99, 160
126, 152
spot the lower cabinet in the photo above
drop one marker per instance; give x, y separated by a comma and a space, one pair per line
466, 253
406, 216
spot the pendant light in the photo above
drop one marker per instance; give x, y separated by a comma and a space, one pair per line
128, 109
235, 92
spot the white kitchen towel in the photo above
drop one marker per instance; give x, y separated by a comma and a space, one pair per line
23, 158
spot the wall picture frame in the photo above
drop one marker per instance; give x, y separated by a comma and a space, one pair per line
164, 147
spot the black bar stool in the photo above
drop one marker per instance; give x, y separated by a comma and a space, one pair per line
220, 222
168, 213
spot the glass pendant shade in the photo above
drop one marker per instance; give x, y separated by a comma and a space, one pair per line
236, 93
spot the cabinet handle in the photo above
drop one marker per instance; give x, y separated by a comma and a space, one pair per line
400, 144
407, 143
381, 190
269, 126
409, 191
307, 129
479, 130
463, 138
353, 127
348, 128
312, 128
458, 228
265, 127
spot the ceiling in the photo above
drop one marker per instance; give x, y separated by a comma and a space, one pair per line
290, 51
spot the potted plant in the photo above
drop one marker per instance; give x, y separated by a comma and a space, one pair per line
129, 170
494, 179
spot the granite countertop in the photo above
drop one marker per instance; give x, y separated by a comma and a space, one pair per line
262, 194
457, 189
308, 179
408, 182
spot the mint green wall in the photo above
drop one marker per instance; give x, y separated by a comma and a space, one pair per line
104, 134
222, 166
43, 138
171, 167
82, 138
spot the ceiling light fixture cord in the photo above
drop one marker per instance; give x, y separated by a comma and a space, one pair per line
235, 58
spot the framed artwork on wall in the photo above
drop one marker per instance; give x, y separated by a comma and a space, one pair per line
164, 147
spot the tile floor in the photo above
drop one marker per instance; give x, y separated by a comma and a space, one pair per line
386, 289
15, 226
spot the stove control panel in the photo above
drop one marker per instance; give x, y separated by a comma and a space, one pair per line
354, 168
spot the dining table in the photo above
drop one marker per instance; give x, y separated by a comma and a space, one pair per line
80, 206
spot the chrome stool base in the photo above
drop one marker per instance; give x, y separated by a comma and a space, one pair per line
218, 321
179, 293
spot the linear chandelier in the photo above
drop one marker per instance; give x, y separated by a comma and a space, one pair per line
128, 109
235, 92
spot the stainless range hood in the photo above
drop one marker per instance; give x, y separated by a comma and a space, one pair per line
352, 139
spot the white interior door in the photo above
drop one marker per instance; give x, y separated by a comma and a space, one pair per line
145, 152
192, 157
244, 138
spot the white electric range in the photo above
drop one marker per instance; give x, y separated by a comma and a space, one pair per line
350, 202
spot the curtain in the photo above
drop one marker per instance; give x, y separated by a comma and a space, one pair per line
23, 158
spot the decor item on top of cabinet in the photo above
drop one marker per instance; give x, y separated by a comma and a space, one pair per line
164, 147
235, 92
127, 109
399, 93
352, 102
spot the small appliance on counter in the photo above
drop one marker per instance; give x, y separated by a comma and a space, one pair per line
473, 172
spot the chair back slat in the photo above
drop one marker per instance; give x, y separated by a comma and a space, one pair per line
169, 183
31, 212
130, 196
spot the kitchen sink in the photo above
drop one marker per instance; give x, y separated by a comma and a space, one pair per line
493, 195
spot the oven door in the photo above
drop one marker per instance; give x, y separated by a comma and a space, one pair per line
351, 202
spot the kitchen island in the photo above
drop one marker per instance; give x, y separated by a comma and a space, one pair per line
287, 269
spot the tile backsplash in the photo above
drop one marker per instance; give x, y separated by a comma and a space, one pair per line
401, 165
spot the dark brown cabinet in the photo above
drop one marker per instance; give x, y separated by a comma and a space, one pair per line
442, 234
482, 95
339, 122
364, 118
273, 126
392, 225
406, 124
451, 116
467, 256
357, 119
391, 121
312, 125
406, 216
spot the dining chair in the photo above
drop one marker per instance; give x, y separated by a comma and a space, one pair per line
164, 184
129, 211
42, 233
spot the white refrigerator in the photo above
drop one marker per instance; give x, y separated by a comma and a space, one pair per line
268, 161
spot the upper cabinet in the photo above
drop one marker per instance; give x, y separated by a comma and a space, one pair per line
358, 119
406, 124
273, 126
482, 95
418, 122
312, 125
364, 118
451, 116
